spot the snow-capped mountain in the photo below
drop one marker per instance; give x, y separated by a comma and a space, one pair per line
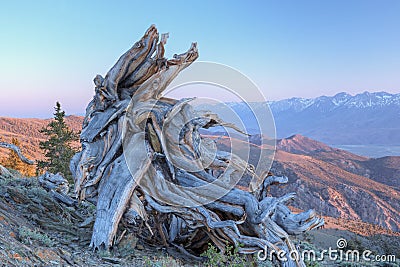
329, 103
342, 119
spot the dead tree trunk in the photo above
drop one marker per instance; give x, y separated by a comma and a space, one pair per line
18, 151
142, 156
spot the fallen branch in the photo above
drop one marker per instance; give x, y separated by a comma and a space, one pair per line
18, 151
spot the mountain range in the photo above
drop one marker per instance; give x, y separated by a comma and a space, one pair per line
342, 119
363, 119
340, 100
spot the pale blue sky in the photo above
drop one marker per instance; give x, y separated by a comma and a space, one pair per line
51, 50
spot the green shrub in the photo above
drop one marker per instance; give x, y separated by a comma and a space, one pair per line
27, 236
230, 258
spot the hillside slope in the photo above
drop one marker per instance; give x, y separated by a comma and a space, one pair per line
335, 192
27, 131
37, 230
340, 184
334, 182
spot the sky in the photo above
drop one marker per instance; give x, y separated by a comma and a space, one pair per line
51, 50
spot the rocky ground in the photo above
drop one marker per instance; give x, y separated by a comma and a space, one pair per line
37, 230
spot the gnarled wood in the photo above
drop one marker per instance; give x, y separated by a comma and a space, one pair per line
18, 151
142, 156
54, 182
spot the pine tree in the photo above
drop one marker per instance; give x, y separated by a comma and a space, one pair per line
15, 163
58, 148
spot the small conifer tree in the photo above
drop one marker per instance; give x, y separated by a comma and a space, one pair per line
58, 148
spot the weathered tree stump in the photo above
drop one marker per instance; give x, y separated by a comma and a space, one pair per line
142, 156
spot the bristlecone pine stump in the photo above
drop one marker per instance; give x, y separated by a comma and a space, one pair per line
126, 166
